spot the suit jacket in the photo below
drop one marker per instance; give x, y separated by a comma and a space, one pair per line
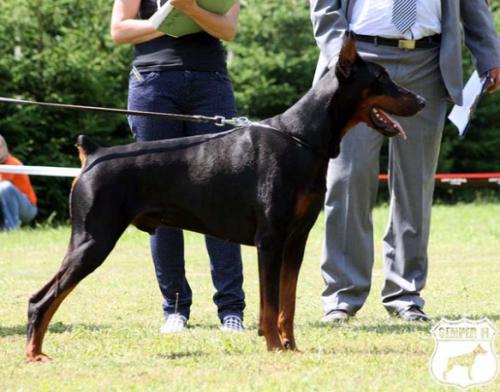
329, 18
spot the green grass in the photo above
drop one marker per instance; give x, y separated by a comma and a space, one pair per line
105, 335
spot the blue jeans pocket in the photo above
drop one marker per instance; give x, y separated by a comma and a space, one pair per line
145, 77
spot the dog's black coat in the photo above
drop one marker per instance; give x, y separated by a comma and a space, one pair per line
259, 185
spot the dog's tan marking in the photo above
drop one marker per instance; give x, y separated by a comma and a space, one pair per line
83, 160
82, 155
304, 203
288, 287
34, 346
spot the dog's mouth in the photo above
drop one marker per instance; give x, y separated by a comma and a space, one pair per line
385, 124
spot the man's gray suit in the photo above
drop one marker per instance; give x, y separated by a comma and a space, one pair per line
435, 73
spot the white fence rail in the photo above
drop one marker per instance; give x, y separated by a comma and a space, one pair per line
41, 170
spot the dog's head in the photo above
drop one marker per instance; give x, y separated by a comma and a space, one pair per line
379, 95
479, 350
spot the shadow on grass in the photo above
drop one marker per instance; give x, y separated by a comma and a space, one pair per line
396, 327
456, 316
12, 331
347, 350
216, 327
399, 326
203, 326
182, 354
53, 328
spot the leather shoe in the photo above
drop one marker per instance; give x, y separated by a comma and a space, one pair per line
335, 316
413, 313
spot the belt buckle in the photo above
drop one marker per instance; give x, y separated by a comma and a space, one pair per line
406, 44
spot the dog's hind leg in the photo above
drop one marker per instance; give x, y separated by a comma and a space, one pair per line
270, 256
292, 260
85, 253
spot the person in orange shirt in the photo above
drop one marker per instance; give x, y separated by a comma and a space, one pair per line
17, 197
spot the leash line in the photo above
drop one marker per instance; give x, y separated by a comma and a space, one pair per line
296, 139
217, 120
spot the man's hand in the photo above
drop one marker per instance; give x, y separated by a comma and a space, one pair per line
494, 82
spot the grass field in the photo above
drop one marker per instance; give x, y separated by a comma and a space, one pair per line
105, 335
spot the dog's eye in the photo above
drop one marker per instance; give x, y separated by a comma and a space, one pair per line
381, 76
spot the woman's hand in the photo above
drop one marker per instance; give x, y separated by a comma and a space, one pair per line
185, 6
125, 29
220, 26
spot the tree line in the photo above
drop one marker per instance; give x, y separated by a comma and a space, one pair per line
61, 51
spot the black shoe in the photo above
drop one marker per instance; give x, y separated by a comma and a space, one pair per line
413, 313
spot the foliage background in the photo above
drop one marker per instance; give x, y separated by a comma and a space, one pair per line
61, 51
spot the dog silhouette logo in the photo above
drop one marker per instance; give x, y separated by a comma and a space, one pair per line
464, 355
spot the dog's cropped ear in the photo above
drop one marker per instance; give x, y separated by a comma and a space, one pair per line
347, 57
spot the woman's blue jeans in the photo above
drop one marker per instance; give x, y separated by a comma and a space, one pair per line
187, 92
15, 207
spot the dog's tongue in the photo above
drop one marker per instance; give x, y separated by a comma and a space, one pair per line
397, 126
388, 121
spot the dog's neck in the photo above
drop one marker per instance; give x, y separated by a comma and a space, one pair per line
319, 118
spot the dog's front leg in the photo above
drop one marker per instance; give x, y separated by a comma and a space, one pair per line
270, 257
292, 260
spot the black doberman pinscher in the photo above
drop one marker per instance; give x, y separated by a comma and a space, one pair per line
260, 185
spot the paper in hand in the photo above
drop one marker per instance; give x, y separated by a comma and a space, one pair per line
461, 115
176, 23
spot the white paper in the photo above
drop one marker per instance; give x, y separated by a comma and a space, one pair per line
159, 16
41, 170
461, 115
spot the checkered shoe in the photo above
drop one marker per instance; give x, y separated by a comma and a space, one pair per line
232, 324
174, 323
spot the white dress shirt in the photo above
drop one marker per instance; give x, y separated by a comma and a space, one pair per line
374, 17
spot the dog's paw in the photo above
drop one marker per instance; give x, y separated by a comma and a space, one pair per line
41, 357
289, 345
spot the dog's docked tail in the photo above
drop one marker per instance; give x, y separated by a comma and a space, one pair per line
85, 148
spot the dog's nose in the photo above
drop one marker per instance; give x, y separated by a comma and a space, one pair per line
421, 102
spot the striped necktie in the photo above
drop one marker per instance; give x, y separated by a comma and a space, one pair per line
404, 14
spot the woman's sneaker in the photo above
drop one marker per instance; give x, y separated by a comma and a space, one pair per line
174, 323
232, 324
